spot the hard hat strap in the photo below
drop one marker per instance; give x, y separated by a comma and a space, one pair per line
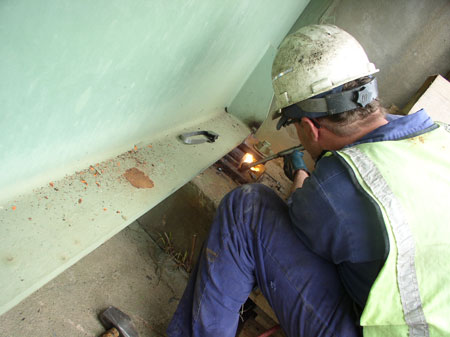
335, 103
328, 104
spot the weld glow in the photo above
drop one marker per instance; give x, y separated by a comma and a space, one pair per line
248, 158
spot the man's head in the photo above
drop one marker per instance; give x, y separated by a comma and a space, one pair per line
323, 82
335, 131
353, 121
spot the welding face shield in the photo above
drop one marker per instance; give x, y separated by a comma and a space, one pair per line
310, 69
332, 102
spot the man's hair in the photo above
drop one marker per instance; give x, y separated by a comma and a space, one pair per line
350, 122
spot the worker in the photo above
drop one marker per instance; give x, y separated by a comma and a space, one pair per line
362, 246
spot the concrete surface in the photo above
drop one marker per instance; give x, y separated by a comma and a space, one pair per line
129, 271
185, 213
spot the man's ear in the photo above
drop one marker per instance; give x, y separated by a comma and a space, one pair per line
310, 128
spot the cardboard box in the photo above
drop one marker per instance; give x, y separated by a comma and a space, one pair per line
434, 97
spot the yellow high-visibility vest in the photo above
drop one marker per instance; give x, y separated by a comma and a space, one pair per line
409, 180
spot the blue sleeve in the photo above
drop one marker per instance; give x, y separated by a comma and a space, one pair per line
316, 222
335, 219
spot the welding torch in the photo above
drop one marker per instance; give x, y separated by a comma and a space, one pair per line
246, 166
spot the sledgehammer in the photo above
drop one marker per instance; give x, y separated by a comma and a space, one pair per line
118, 323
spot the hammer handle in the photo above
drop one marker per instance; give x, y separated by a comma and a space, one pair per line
113, 332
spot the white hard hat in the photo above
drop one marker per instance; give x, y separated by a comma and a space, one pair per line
314, 60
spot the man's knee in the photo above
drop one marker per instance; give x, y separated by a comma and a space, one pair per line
253, 192
248, 201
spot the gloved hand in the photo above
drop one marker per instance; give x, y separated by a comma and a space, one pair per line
292, 163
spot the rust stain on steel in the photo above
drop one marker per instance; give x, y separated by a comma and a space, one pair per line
138, 179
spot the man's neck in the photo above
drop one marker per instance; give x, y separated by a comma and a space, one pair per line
331, 141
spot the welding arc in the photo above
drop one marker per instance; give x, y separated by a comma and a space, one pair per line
246, 166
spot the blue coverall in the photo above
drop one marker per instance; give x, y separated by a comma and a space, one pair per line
314, 258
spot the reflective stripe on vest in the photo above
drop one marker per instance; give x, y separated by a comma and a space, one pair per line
409, 180
406, 271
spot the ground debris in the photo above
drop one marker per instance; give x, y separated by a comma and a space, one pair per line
182, 259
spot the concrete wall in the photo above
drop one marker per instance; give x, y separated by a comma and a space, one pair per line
408, 40
81, 81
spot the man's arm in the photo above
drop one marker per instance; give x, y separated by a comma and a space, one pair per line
295, 169
299, 178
